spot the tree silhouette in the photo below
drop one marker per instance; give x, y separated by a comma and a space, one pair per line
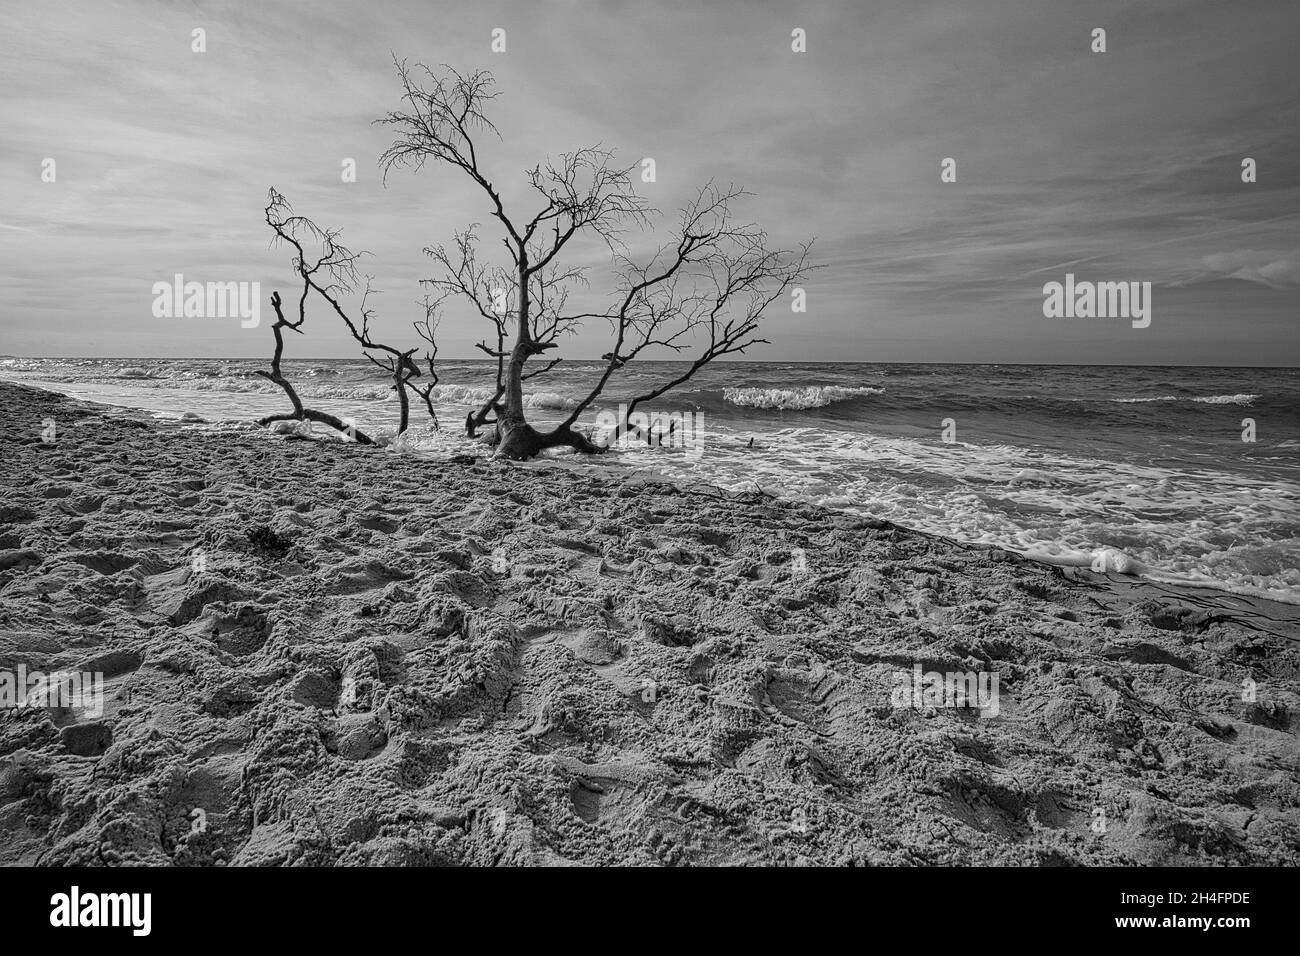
709, 283
331, 275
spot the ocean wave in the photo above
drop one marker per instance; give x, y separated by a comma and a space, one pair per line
461, 394
549, 400
477, 395
310, 389
470, 395
359, 392
811, 396
1227, 399
1240, 399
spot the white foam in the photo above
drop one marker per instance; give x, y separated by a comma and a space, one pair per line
1239, 399
811, 396
1190, 525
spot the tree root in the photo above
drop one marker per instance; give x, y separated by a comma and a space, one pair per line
521, 442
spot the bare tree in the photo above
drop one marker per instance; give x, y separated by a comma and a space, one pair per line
299, 413
427, 329
333, 274
330, 257
463, 277
398, 363
704, 290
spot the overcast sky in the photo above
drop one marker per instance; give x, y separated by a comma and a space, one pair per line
1117, 166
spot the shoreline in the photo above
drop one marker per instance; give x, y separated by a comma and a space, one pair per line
1244, 598
387, 659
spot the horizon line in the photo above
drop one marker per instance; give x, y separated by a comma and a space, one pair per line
597, 361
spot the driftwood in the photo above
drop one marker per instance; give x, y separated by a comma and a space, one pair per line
332, 275
300, 412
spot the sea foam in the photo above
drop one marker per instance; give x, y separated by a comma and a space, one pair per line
811, 396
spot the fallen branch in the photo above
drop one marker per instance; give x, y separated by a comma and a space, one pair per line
299, 413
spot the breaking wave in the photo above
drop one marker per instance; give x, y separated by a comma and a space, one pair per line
476, 395
1241, 399
811, 396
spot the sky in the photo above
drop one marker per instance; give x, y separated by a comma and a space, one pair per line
1117, 166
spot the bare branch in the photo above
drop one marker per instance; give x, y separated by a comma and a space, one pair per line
707, 290
333, 274
703, 293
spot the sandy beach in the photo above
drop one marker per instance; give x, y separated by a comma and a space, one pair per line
314, 653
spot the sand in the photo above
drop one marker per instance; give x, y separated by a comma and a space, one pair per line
315, 653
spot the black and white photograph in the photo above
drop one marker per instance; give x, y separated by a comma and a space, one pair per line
651, 434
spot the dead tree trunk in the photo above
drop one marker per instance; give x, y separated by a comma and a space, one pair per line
404, 416
299, 413
477, 419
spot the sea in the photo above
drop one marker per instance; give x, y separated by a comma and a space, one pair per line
1179, 475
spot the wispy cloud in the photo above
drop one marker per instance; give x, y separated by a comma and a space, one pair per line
1125, 165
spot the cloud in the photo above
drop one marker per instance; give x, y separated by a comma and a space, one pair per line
1122, 166
1274, 269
